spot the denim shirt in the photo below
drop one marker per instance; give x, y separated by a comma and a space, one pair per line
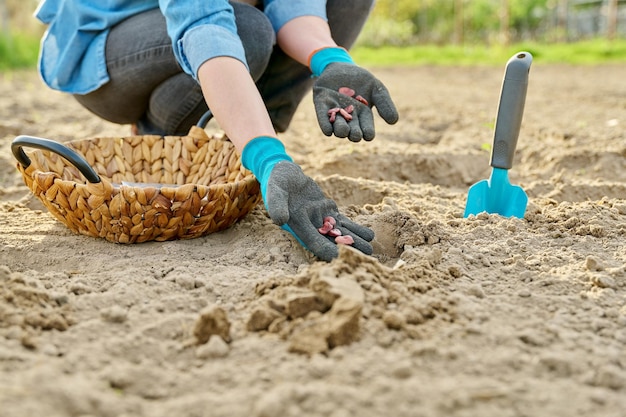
72, 55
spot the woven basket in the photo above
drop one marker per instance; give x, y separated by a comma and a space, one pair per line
140, 188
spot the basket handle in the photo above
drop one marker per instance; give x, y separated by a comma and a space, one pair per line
49, 145
73, 157
204, 120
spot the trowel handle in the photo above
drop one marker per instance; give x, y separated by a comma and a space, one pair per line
510, 110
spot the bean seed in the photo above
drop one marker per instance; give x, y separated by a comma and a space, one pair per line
362, 100
347, 91
346, 115
332, 114
350, 93
327, 227
334, 232
344, 240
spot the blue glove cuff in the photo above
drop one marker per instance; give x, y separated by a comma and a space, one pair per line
322, 58
260, 155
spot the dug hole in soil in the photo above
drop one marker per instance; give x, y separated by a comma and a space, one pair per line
451, 316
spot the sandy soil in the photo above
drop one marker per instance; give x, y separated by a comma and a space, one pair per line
484, 316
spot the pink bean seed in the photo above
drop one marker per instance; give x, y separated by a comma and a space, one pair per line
332, 114
347, 91
362, 100
345, 114
335, 233
327, 227
344, 240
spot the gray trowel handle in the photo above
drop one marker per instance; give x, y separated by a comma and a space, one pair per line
510, 110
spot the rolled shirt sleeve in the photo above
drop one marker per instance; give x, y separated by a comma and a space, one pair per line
201, 30
280, 12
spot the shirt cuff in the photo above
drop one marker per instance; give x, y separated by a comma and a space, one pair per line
204, 42
280, 12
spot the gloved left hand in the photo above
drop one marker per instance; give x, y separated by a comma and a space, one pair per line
337, 74
296, 203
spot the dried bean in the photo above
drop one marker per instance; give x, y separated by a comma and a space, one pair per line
344, 240
327, 227
346, 115
362, 100
332, 114
347, 91
335, 233
351, 93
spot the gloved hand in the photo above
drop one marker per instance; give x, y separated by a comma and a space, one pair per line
296, 203
336, 71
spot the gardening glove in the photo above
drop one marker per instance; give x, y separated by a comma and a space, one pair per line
344, 94
296, 203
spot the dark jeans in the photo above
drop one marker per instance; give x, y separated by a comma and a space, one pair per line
148, 87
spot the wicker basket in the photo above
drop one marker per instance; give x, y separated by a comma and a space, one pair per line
140, 188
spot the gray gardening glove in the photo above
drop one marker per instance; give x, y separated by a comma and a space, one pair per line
368, 92
295, 202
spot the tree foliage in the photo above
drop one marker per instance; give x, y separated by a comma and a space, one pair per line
491, 21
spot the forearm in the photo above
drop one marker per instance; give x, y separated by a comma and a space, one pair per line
231, 93
234, 100
302, 36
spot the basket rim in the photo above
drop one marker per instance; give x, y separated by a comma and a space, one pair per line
32, 171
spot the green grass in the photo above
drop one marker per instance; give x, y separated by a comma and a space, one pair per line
585, 52
18, 51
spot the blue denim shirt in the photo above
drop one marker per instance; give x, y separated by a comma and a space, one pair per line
72, 55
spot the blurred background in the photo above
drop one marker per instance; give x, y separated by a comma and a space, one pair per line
462, 26
404, 22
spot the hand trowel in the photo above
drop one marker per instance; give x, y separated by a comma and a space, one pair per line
496, 194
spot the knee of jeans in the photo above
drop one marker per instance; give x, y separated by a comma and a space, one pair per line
257, 36
346, 19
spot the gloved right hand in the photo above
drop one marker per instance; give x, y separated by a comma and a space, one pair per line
296, 203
